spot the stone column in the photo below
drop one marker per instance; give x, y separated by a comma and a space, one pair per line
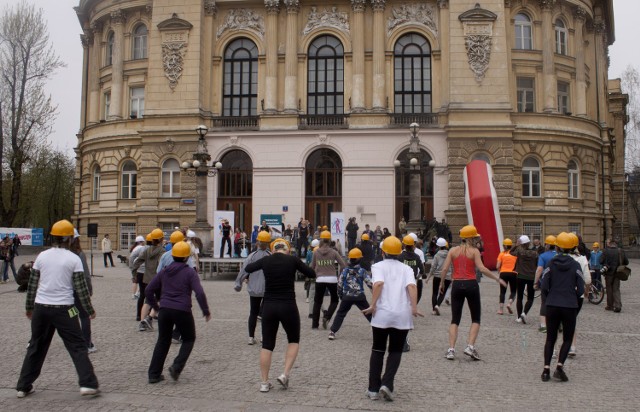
210, 10
86, 40
357, 30
117, 20
271, 37
549, 82
94, 74
443, 6
581, 83
291, 57
601, 69
379, 89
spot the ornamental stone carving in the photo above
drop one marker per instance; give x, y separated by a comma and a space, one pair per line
334, 18
293, 6
175, 37
242, 19
443, 4
478, 31
547, 4
358, 6
118, 16
86, 39
412, 13
580, 14
272, 6
210, 7
378, 5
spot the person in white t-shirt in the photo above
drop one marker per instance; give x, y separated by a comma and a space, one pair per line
393, 306
55, 275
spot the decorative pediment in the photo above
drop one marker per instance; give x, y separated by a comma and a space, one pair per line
242, 19
174, 23
478, 14
419, 13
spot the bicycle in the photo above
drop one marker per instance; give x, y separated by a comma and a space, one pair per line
596, 291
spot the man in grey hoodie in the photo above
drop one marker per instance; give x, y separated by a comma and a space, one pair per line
324, 263
255, 284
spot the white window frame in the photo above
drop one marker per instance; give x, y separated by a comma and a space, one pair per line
139, 46
107, 104
129, 181
564, 97
95, 196
573, 179
523, 32
136, 102
170, 178
561, 37
127, 235
526, 94
108, 58
528, 173
575, 228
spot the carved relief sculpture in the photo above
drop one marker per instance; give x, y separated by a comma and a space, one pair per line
412, 13
478, 30
210, 7
293, 6
175, 35
272, 6
334, 18
378, 5
242, 19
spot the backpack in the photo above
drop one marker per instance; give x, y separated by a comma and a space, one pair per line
352, 280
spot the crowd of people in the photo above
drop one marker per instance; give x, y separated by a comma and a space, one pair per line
395, 269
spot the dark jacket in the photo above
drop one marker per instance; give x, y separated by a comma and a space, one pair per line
562, 282
175, 283
412, 260
366, 247
527, 262
611, 259
352, 230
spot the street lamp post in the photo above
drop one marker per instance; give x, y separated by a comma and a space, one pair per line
200, 168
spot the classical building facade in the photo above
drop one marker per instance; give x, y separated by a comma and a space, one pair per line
308, 106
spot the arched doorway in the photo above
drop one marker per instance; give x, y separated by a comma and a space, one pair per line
402, 186
235, 187
323, 186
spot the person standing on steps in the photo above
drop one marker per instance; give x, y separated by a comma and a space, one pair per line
225, 229
352, 233
107, 252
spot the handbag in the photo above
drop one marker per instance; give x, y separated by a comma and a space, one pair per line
622, 271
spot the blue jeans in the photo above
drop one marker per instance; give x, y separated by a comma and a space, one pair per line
5, 270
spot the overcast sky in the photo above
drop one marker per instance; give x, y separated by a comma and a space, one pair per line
66, 85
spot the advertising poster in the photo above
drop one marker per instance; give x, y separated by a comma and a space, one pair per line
338, 230
28, 237
218, 217
274, 222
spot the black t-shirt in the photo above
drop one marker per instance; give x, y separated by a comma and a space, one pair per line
303, 231
265, 228
280, 275
226, 230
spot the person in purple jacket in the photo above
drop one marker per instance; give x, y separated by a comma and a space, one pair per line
174, 284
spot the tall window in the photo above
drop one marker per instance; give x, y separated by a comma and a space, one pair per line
240, 90
107, 105
96, 183
109, 52
523, 32
561, 37
564, 103
171, 178
325, 87
168, 228
137, 102
532, 229
235, 186
412, 74
140, 42
127, 235
525, 94
129, 180
530, 177
574, 228
323, 186
573, 180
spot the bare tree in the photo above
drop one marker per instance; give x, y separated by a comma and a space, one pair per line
631, 86
27, 61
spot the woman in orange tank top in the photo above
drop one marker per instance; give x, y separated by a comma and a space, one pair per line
465, 259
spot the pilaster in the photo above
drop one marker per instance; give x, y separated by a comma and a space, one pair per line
291, 57
379, 79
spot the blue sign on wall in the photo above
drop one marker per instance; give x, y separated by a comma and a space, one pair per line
37, 237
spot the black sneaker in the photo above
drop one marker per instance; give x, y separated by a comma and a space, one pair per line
406, 347
546, 375
174, 373
560, 375
157, 379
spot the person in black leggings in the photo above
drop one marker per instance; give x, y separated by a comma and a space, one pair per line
562, 284
279, 307
526, 269
438, 277
506, 266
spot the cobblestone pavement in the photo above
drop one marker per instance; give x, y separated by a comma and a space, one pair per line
223, 371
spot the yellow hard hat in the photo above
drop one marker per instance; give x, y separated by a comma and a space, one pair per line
408, 240
325, 234
176, 237
62, 228
280, 244
550, 240
355, 253
324, 227
181, 249
264, 236
365, 236
596, 244
507, 242
392, 246
575, 239
149, 238
564, 241
156, 234
468, 232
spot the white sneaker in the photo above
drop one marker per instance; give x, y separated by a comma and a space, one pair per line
92, 348
251, 341
22, 394
572, 352
471, 352
519, 320
372, 395
386, 393
523, 317
284, 381
555, 354
265, 386
89, 391
451, 354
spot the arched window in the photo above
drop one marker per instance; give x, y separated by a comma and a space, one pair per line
129, 180
240, 90
96, 184
170, 178
403, 179
235, 187
323, 186
140, 42
412, 74
573, 180
523, 32
561, 37
530, 177
325, 85
109, 51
